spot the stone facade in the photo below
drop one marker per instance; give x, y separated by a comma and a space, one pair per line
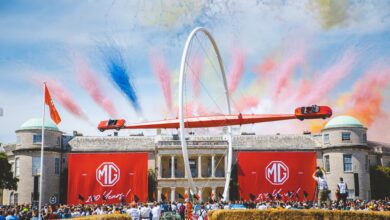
342, 150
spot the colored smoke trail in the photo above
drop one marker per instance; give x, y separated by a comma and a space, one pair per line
246, 102
196, 68
237, 70
365, 101
316, 125
118, 72
88, 80
331, 12
266, 66
286, 70
162, 73
331, 77
65, 99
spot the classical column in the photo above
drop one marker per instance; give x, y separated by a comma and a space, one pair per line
213, 190
173, 192
159, 191
213, 165
226, 164
159, 166
200, 194
199, 166
173, 166
185, 170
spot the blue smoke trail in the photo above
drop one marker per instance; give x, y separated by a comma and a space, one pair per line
119, 74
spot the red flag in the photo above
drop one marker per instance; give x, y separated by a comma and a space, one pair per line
53, 111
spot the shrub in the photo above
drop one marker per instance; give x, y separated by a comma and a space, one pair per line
296, 215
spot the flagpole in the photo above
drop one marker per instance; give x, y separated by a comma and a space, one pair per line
42, 148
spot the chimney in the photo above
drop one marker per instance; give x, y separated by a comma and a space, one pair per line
115, 133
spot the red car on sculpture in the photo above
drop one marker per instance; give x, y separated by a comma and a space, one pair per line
111, 124
314, 111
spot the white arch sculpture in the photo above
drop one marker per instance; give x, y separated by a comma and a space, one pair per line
181, 112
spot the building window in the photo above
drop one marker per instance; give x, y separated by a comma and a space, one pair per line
17, 167
346, 136
347, 160
13, 167
16, 199
36, 166
58, 140
327, 164
11, 198
57, 166
37, 139
351, 194
326, 139
364, 137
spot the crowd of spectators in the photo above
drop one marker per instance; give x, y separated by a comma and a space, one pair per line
180, 210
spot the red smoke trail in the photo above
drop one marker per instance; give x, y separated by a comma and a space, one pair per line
237, 70
302, 90
61, 96
286, 69
331, 77
88, 80
201, 110
161, 70
246, 102
65, 99
188, 110
366, 99
196, 68
266, 66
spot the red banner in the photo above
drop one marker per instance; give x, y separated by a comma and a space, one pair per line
107, 178
276, 175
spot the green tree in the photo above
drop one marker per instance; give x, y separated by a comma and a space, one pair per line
7, 179
380, 182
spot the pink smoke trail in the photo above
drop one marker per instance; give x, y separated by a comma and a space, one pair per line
286, 69
161, 70
303, 88
196, 68
365, 102
246, 102
331, 77
266, 66
60, 95
237, 70
87, 79
65, 99
201, 110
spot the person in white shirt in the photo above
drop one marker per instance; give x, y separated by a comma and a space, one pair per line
226, 206
174, 207
262, 206
323, 189
145, 211
342, 192
156, 211
134, 212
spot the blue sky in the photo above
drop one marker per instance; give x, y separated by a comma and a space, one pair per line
40, 38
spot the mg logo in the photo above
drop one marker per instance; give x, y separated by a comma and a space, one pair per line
276, 172
107, 174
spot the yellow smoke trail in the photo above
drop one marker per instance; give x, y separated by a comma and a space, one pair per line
331, 12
